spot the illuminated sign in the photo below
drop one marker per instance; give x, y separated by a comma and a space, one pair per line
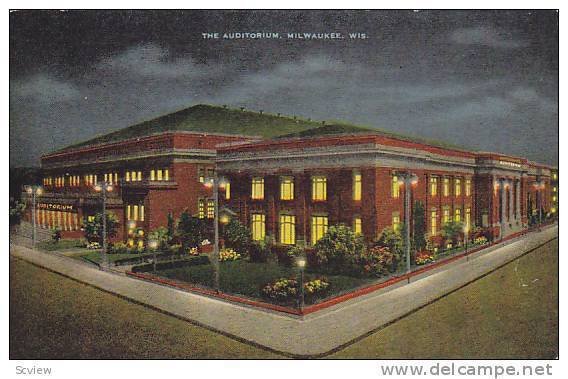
510, 164
55, 207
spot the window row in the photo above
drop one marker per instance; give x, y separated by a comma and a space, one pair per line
287, 227
109, 177
135, 212
318, 190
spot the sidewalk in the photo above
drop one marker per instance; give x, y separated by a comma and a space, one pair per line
312, 335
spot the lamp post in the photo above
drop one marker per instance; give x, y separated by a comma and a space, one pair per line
153, 245
103, 188
539, 185
216, 183
407, 179
34, 191
301, 263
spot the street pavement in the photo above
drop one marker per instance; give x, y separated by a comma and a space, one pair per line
312, 335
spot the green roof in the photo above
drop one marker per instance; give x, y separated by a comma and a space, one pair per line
209, 119
222, 120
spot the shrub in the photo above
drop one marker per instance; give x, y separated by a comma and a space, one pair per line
339, 248
419, 226
281, 253
191, 261
258, 251
281, 290
285, 290
94, 229
17, 209
378, 261
93, 245
56, 235
393, 240
424, 257
174, 249
190, 230
452, 231
480, 240
119, 248
161, 236
228, 255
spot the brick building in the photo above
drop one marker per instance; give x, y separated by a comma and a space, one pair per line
292, 186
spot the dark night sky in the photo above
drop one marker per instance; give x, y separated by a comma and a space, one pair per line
483, 79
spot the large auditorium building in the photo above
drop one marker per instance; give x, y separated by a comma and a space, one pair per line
286, 177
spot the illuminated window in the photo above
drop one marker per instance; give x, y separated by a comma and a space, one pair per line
457, 215
135, 212
319, 188
115, 178
127, 178
257, 192
357, 225
201, 174
287, 229
319, 228
201, 208
395, 187
446, 186
227, 190
139, 175
446, 215
166, 174
141, 213
210, 208
152, 175
433, 186
357, 186
396, 222
468, 187
457, 187
159, 175
468, 218
553, 198
554, 176
433, 223
258, 226
553, 189
286, 188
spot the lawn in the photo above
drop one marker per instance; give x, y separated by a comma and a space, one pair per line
511, 313
247, 278
63, 244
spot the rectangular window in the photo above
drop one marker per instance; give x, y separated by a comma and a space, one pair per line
433, 223
357, 186
115, 178
201, 175
152, 175
396, 222
286, 188
468, 187
258, 226
319, 188
210, 208
287, 229
319, 228
457, 187
395, 187
135, 212
357, 225
446, 215
166, 174
433, 186
139, 175
228, 190
457, 215
159, 175
468, 219
446, 187
201, 208
257, 191
141, 213
127, 177
128, 214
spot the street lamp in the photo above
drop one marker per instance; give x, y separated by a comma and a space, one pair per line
301, 263
103, 188
34, 191
408, 180
153, 245
216, 183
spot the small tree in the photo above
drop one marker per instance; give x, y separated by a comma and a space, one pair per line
419, 229
56, 235
339, 248
93, 229
237, 236
171, 227
190, 231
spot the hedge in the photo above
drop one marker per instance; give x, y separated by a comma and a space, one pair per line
191, 261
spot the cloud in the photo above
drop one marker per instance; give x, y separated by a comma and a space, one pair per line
485, 36
45, 89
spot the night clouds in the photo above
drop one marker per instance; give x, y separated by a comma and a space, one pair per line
487, 80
